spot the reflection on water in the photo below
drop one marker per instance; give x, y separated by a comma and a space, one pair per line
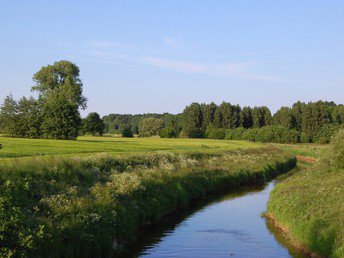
221, 225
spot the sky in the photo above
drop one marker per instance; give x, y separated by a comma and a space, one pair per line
159, 56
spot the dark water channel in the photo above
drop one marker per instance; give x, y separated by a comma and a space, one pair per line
221, 225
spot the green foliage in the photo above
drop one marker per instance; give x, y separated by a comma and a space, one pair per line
284, 117
61, 118
151, 126
22, 118
246, 117
192, 121
325, 133
56, 112
61, 78
261, 117
93, 124
208, 112
168, 132
227, 116
127, 132
9, 118
60, 89
277, 134
235, 134
338, 114
314, 116
250, 134
215, 133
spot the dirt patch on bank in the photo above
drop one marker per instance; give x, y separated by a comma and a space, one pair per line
306, 159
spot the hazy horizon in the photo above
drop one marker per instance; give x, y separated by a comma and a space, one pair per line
140, 57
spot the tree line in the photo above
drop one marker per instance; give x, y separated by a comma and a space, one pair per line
55, 114
303, 122
307, 122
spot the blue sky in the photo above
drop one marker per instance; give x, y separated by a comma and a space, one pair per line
159, 56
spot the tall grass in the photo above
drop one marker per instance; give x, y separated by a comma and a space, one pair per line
83, 206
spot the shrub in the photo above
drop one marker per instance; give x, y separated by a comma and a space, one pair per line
127, 132
235, 134
250, 134
305, 138
150, 126
168, 132
215, 133
277, 134
325, 133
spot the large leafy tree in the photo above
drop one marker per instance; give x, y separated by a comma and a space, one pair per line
93, 124
60, 91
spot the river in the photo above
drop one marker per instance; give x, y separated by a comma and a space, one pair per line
221, 225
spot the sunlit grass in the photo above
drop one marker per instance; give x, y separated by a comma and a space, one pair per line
18, 147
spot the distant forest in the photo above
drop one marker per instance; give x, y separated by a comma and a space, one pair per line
303, 122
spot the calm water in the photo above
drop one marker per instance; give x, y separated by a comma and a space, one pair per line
229, 225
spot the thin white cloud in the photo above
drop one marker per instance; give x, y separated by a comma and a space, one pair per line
232, 70
107, 44
112, 52
176, 65
170, 42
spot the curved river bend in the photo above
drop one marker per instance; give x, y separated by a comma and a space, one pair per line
225, 225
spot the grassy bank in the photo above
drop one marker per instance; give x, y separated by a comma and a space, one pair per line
309, 205
83, 206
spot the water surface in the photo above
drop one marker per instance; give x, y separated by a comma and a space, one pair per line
222, 225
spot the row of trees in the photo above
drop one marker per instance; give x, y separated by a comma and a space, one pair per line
306, 118
145, 125
55, 113
304, 122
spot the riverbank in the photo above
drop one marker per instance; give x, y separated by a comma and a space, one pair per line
88, 206
308, 206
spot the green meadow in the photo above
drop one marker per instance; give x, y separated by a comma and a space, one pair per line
86, 145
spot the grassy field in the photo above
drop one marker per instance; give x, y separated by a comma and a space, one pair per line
82, 199
309, 205
18, 147
307, 150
